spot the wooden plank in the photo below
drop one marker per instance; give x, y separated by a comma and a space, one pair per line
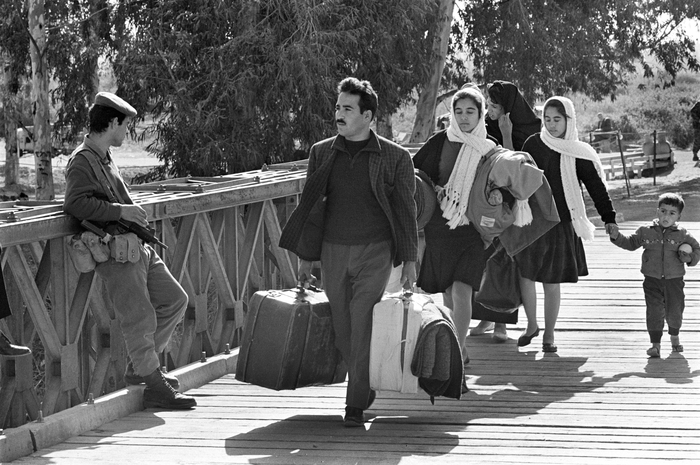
216, 263
34, 301
282, 256
600, 399
252, 234
178, 255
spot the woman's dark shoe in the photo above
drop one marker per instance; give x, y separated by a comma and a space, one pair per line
527, 339
9, 349
549, 347
465, 388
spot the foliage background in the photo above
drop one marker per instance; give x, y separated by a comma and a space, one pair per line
230, 85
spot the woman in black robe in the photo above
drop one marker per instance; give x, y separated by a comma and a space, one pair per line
510, 120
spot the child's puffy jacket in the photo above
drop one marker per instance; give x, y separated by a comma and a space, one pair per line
660, 257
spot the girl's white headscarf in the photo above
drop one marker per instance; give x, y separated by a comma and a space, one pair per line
571, 149
455, 196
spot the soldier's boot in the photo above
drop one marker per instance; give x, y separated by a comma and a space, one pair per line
130, 377
160, 394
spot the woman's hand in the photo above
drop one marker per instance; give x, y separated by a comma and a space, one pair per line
505, 124
506, 127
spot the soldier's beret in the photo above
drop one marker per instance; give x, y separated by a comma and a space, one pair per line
108, 99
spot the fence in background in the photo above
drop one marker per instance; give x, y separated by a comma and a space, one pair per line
222, 235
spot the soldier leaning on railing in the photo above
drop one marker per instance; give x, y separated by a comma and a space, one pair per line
147, 300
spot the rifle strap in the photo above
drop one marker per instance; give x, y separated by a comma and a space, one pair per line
102, 177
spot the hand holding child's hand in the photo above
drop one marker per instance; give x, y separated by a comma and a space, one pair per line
613, 230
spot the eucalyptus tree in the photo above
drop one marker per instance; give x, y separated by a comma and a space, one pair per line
231, 85
64, 40
14, 58
589, 46
555, 46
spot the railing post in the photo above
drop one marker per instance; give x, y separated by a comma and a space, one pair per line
653, 169
70, 320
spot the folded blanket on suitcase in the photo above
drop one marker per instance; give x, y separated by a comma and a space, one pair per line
437, 360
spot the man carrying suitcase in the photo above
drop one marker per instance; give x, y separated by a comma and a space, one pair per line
357, 215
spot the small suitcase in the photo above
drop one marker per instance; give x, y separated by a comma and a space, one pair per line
396, 322
288, 341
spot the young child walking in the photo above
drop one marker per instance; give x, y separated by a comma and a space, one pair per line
667, 248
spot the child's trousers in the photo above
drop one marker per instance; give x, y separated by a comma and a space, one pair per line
665, 300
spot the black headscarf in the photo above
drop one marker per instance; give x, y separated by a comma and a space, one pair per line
525, 121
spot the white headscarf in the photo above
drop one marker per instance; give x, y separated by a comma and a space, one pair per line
455, 196
571, 148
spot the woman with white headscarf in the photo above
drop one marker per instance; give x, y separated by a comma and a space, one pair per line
558, 256
455, 258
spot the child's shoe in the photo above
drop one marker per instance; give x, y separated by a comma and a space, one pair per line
676, 344
654, 352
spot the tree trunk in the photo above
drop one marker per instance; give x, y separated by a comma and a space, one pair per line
384, 126
94, 42
40, 101
9, 106
424, 124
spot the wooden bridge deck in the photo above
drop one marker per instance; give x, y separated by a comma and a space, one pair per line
598, 400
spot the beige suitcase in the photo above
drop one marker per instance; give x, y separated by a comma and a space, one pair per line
396, 322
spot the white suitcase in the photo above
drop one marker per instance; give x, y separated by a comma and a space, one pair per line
396, 322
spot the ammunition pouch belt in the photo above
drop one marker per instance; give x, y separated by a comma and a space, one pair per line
87, 249
125, 248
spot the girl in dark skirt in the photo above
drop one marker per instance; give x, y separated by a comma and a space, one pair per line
558, 256
454, 257
510, 120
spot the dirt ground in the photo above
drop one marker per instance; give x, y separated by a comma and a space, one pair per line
641, 203
131, 158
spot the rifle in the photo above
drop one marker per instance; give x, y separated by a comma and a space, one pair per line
90, 226
143, 233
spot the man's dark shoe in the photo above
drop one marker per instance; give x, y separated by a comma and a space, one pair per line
130, 377
354, 417
160, 394
9, 349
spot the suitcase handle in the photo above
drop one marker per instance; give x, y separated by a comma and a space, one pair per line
301, 290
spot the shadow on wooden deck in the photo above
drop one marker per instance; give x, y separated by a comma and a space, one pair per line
598, 400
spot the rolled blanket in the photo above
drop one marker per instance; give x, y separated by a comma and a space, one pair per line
437, 360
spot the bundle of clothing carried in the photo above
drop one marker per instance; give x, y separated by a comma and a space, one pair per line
501, 199
437, 359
